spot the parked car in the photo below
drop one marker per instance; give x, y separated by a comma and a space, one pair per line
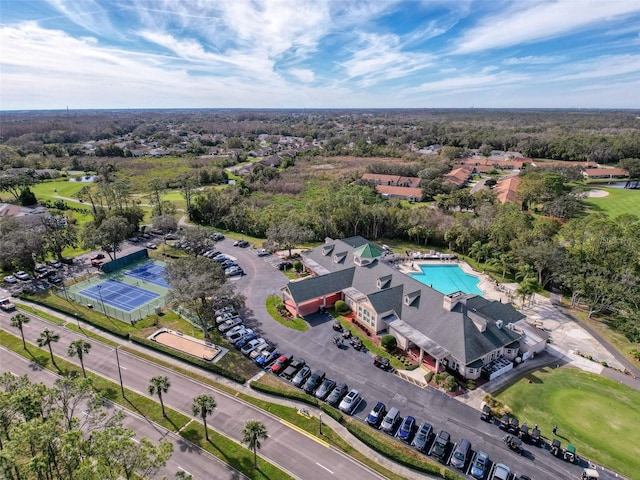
246, 338
325, 388
228, 263
293, 368
485, 414
267, 357
501, 472
301, 376
440, 445
97, 263
24, 276
6, 305
376, 414
229, 309
479, 465
56, 278
350, 402
98, 256
284, 265
55, 263
281, 363
251, 345
221, 318
422, 436
258, 350
243, 244
337, 394
45, 274
313, 382
460, 454
10, 279
40, 268
67, 260
406, 429
238, 334
390, 420
233, 271
218, 236
229, 324
261, 252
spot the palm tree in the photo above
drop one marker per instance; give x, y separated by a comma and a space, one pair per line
159, 385
18, 321
253, 432
204, 405
79, 348
46, 338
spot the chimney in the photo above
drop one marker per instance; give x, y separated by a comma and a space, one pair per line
451, 300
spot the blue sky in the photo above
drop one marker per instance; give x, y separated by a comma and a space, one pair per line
319, 54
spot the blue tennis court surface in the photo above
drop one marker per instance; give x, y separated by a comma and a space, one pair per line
149, 272
120, 295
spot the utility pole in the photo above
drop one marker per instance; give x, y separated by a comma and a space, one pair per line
119, 371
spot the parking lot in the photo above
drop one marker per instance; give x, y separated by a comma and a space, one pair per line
356, 368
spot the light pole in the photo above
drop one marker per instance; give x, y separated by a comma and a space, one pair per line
320, 416
104, 310
119, 371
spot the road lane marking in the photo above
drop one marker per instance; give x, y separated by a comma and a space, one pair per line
305, 433
322, 466
180, 468
123, 368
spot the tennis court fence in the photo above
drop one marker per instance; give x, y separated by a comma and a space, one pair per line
128, 317
124, 261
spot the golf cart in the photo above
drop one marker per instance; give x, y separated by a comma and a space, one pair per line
555, 447
514, 426
337, 326
514, 443
382, 363
504, 423
535, 436
485, 414
569, 454
524, 432
589, 474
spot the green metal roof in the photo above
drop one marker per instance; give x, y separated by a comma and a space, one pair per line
367, 251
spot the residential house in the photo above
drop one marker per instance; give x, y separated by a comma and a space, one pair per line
392, 180
593, 173
463, 332
507, 190
404, 193
458, 177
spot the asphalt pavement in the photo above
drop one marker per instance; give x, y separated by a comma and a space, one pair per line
184, 452
294, 451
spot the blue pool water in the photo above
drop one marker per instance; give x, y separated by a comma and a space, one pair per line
448, 279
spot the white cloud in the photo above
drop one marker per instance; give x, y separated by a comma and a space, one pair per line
541, 20
380, 57
483, 80
305, 75
602, 67
534, 60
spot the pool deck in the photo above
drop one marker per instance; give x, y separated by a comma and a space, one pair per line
491, 290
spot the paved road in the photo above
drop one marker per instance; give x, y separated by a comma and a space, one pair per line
357, 370
186, 456
293, 451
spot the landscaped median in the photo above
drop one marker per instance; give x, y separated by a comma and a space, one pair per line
218, 445
374, 439
279, 314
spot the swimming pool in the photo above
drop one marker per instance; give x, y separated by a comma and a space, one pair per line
448, 279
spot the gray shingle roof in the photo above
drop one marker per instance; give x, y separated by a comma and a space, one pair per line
454, 331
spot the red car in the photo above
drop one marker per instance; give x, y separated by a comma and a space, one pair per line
281, 363
99, 256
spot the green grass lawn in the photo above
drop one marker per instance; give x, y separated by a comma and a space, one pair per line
597, 415
619, 201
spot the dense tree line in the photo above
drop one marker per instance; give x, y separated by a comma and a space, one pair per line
68, 432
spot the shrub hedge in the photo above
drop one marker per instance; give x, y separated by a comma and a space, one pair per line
212, 367
101, 324
292, 395
390, 450
332, 412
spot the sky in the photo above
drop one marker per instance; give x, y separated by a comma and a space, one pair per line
108, 54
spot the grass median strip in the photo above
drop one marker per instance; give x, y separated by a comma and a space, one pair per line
36, 311
220, 446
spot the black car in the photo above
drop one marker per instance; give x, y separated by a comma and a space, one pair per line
325, 388
284, 265
337, 393
55, 279
440, 445
313, 382
293, 368
376, 414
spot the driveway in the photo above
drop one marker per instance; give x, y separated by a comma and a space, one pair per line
357, 370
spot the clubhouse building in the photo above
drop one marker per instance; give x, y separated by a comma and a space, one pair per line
465, 333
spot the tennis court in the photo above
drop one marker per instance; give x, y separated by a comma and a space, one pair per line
119, 295
149, 272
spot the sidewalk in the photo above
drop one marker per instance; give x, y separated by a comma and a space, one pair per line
326, 419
